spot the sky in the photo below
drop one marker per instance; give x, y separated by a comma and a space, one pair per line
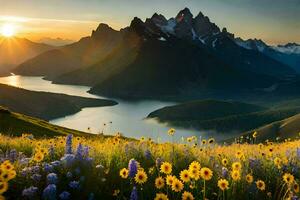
274, 21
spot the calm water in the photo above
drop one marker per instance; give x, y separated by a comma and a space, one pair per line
126, 117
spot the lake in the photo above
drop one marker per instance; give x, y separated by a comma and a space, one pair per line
127, 117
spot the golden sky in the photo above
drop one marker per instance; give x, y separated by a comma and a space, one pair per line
274, 21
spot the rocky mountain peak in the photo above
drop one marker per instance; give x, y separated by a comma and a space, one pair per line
184, 15
102, 31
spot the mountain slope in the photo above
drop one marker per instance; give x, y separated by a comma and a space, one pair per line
288, 54
14, 51
283, 129
85, 52
45, 105
15, 124
221, 116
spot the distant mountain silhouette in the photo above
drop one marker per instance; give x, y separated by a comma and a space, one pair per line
288, 54
182, 56
14, 51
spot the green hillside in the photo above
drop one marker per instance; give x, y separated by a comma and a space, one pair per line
15, 124
283, 129
221, 116
45, 105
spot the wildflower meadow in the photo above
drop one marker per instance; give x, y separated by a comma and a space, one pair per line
114, 167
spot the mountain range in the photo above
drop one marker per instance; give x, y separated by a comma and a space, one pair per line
14, 51
181, 57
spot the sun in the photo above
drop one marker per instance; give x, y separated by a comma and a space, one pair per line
8, 30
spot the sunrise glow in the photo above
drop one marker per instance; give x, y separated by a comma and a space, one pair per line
8, 30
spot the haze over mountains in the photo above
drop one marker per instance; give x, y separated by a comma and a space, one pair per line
184, 56
14, 51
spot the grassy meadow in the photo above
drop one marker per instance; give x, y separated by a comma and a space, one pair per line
73, 167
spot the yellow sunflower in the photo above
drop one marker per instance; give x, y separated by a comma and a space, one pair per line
161, 196
171, 131
177, 185
223, 184
236, 175
159, 182
3, 187
195, 165
224, 161
206, 173
124, 173
140, 177
260, 185
170, 179
187, 196
249, 178
296, 187
184, 176
38, 157
166, 168
288, 178
236, 166
194, 173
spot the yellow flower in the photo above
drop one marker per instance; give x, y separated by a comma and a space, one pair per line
159, 182
140, 177
170, 179
211, 140
166, 168
7, 166
239, 154
224, 162
124, 173
187, 196
254, 134
184, 176
236, 166
161, 196
171, 131
203, 142
38, 157
206, 173
260, 185
195, 165
235, 175
249, 178
177, 185
277, 161
296, 187
288, 178
194, 173
223, 184
3, 187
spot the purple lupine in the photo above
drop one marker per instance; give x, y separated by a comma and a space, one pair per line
68, 160
86, 150
74, 184
158, 162
147, 154
49, 192
13, 155
69, 144
224, 172
134, 194
79, 153
30, 192
52, 178
64, 195
48, 168
132, 166
36, 177
298, 153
